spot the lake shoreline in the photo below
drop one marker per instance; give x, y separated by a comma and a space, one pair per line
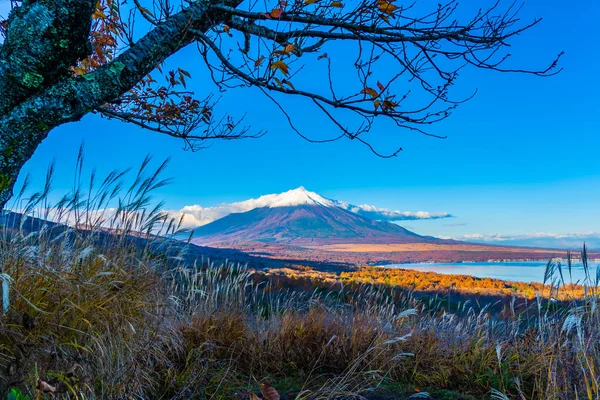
510, 271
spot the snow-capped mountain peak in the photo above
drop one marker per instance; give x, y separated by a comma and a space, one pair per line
196, 215
295, 197
300, 216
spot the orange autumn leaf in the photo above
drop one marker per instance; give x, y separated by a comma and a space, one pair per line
286, 82
337, 4
387, 7
227, 30
98, 14
278, 82
146, 12
322, 56
388, 105
259, 61
275, 13
286, 50
281, 66
370, 92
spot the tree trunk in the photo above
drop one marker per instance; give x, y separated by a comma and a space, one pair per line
39, 101
43, 39
16, 148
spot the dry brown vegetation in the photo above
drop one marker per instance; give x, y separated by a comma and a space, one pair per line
109, 326
410, 247
380, 254
113, 320
442, 283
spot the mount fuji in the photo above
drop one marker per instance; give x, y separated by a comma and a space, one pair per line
301, 226
300, 217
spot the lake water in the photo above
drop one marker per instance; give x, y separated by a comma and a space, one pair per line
525, 271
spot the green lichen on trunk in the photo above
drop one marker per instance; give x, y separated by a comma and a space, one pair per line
43, 40
47, 37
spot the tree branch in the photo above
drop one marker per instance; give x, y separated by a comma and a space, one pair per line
27, 123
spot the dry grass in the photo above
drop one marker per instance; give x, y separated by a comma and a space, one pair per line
110, 319
469, 285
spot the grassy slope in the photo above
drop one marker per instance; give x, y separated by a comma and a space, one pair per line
109, 319
119, 323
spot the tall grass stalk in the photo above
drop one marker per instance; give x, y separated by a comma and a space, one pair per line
101, 305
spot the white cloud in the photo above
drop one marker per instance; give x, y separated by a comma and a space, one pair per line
385, 214
573, 240
497, 237
195, 215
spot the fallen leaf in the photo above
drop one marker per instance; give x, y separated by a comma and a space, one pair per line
269, 391
254, 397
45, 387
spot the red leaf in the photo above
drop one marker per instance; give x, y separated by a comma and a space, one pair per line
259, 61
370, 92
275, 13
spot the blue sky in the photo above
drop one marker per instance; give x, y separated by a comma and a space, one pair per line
521, 157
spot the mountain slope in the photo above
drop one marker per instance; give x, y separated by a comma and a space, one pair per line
301, 217
194, 216
172, 249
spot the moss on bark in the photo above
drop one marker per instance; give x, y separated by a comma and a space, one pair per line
34, 61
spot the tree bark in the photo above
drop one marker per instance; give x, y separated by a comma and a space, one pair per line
33, 110
44, 39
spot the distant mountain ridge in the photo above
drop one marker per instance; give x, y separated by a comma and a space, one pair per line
177, 250
328, 238
302, 217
